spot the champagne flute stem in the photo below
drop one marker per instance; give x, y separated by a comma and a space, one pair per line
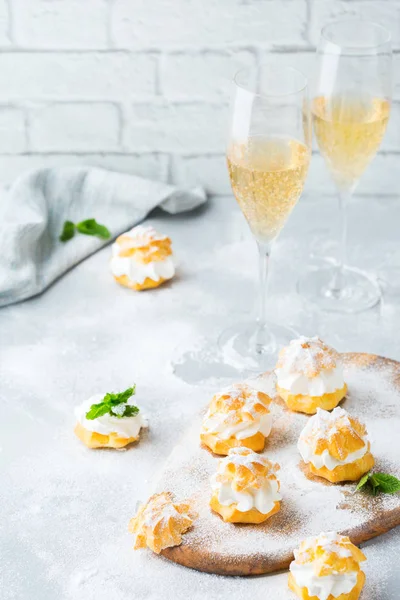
344, 198
262, 338
338, 282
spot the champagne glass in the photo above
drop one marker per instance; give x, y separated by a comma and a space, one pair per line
350, 111
268, 155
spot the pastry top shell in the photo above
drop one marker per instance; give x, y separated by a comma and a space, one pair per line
237, 404
246, 470
145, 244
308, 356
335, 431
329, 553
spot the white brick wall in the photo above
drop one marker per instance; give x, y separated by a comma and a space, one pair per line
143, 86
198, 75
177, 127
60, 23
59, 127
204, 23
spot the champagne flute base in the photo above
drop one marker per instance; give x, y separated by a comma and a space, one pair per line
247, 347
350, 291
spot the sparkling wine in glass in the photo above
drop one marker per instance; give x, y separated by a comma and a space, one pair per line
350, 110
268, 157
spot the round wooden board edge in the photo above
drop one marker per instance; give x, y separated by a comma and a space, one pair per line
202, 560
192, 558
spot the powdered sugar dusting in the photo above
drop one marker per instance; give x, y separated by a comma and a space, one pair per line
251, 461
308, 356
238, 411
309, 505
143, 236
329, 542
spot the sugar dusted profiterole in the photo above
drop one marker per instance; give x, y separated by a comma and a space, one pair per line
245, 488
327, 567
161, 522
335, 446
309, 375
238, 416
110, 420
142, 259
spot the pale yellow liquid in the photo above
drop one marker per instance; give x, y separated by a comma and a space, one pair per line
349, 132
267, 177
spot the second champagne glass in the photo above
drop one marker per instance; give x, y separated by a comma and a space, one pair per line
350, 111
268, 157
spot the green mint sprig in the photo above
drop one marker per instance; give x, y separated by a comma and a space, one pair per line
87, 227
114, 405
377, 483
68, 231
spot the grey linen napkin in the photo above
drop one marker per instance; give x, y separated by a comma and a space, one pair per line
33, 210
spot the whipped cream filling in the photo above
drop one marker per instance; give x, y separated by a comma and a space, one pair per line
245, 429
326, 382
325, 459
125, 427
323, 586
263, 499
137, 271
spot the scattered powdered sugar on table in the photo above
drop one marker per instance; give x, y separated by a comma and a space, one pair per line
65, 508
309, 505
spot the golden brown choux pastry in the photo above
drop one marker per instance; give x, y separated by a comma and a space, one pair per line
309, 376
335, 446
238, 416
245, 488
142, 259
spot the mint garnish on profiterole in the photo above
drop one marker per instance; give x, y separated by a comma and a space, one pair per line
114, 405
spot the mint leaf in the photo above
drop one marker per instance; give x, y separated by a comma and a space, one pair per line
363, 481
68, 231
130, 411
112, 404
92, 227
379, 483
388, 484
97, 410
121, 397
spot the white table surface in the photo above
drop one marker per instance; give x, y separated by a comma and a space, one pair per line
64, 508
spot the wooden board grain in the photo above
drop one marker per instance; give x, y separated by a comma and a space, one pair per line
310, 505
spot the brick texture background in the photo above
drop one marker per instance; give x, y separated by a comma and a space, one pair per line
143, 86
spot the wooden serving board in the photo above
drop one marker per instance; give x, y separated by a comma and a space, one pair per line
310, 504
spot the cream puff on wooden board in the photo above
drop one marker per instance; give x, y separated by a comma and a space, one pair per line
309, 375
335, 446
142, 258
238, 416
327, 567
245, 488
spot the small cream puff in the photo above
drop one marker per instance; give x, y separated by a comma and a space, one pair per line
309, 375
237, 416
142, 259
245, 488
335, 446
104, 422
327, 567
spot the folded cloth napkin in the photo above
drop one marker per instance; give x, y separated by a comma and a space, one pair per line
33, 211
